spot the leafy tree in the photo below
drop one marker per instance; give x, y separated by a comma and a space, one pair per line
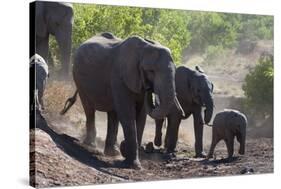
208, 33
258, 86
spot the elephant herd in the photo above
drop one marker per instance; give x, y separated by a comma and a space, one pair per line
130, 78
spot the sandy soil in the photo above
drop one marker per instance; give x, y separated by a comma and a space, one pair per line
60, 159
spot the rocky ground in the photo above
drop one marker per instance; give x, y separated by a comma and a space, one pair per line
59, 159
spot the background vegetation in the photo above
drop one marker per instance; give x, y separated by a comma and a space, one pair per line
258, 87
211, 35
179, 30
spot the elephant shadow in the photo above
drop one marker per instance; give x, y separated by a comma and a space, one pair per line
220, 161
71, 147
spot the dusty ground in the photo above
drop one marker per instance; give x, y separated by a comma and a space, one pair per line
60, 159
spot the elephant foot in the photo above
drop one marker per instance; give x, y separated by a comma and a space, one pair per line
132, 164
200, 155
149, 148
241, 152
230, 159
91, 147
111, 151
209, 156
170, 150
169, 156
157, 141
122, 149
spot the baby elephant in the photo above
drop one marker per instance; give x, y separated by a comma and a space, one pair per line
228, 124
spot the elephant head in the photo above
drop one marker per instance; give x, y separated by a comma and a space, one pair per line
148, 67
202, 93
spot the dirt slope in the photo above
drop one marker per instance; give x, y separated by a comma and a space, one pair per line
59, 159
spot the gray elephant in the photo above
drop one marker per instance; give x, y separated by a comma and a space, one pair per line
228, 124
194, 92
54, 18
40, 67
114, 76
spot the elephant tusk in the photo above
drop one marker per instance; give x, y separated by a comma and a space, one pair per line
156, 100
179, 107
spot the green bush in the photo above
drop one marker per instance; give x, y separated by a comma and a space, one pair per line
258, 86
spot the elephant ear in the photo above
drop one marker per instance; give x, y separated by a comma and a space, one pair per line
191, 82
40, 22
130, 58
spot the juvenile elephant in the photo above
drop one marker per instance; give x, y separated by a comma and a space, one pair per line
228, 124
40, 68
114, 76
194, 92
54, 18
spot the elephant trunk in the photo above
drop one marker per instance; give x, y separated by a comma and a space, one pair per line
160, 107
209, 103
64, 42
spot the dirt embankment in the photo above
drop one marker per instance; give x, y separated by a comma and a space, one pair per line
59, 159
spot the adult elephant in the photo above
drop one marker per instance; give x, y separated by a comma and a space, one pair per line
194, 92
114, 75
54, 18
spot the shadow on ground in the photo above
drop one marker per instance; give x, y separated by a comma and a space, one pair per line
71, 147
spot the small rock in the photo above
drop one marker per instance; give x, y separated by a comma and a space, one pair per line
251, 170
246, 170
169, 156
169, 165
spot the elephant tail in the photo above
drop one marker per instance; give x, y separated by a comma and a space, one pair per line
69, 102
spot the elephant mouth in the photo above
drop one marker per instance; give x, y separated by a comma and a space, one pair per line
152, 100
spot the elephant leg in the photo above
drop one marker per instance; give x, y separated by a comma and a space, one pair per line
158, 132
241, 140
111, 148
171, 137
125, 107
215, 141
198, 131
229, 144
91, 132
140, 122
63, 38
